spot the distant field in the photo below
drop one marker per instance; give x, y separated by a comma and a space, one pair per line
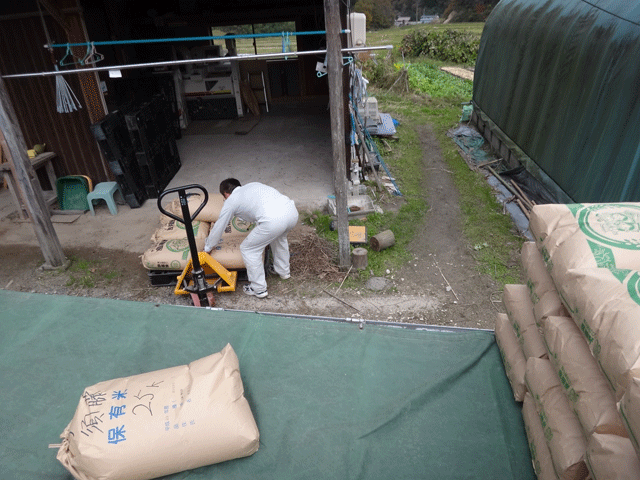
391, 36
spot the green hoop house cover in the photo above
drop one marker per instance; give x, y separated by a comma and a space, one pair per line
560, 79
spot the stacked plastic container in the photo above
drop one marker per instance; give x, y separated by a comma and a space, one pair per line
570, 340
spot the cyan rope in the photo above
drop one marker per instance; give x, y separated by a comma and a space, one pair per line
187, 39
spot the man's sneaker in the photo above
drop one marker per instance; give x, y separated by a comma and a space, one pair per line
285, 277
250, 291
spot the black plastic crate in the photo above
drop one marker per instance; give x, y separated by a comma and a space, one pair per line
113, 138
159, 168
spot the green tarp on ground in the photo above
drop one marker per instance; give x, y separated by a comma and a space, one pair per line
331, 400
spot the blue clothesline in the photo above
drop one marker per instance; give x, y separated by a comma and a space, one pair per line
188, 39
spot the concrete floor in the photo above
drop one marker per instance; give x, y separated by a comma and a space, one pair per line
289, 149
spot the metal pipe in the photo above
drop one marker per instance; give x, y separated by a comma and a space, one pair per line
186, 39
359, 321
193, 61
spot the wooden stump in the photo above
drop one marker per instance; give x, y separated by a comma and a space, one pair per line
382, 240
359, 258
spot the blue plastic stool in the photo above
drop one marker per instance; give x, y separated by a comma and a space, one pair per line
105, 191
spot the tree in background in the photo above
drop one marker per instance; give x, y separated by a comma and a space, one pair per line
470, 10
466, 10
380, 13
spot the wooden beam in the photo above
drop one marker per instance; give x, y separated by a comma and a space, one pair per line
34, 200
338, 140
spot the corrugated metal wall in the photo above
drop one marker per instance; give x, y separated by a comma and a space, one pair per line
34, 98
561, 79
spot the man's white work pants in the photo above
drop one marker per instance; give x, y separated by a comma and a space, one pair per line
270, 232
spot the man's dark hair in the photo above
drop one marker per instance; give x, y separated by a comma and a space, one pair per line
228, 185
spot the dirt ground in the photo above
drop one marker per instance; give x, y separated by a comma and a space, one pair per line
440, 286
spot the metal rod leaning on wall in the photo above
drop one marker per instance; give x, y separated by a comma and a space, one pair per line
193, 61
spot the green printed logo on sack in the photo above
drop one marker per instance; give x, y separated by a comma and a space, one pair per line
241, 225
179, 245
612, 224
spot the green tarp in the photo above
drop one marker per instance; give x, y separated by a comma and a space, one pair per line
561, 79
331, 400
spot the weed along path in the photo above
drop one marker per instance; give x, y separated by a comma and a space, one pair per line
440, 285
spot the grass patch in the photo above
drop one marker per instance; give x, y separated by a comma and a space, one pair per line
489, 233
84, 273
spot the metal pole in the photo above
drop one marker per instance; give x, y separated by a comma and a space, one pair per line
192, 61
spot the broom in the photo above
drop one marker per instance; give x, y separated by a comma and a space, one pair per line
66, 100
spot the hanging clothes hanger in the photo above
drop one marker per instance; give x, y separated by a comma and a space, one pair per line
92, 57
64, 61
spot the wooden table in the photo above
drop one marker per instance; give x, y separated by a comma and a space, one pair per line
42, 160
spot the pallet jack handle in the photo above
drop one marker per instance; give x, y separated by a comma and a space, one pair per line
187, 217
200, 288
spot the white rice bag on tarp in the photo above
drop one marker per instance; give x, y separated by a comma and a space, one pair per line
519, 308
587, 389
542, 290
540, 455
561, 427
163, 422
512, 356
610, 457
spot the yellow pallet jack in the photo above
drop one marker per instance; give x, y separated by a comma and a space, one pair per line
193, 280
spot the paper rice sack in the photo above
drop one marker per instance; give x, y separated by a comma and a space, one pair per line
605, 235
159, 423
174, 229
512, 356
562, 429
587, 389
630, 409
610, 457
209, 213
540, 456
544, 295
520, 311
170, 254
227, 252
238, 227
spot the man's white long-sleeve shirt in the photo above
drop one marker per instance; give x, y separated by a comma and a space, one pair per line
253, 202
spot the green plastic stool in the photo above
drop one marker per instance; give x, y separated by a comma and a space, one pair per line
105, 191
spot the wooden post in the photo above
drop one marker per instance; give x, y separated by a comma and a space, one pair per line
336, 106
360, 258
34, 200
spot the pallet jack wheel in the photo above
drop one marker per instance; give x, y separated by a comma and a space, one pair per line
210, 298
